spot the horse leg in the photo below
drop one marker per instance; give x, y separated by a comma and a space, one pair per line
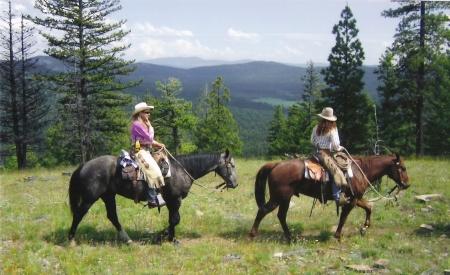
78, 215
111, 212
174, 219
364, 204
262, 212
282, 213
343, 218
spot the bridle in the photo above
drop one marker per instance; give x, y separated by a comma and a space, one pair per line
229, 165
401, 171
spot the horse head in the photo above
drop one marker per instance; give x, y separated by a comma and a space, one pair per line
398, 172
226, 169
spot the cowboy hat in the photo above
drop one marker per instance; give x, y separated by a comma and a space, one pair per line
141, 107
327, 113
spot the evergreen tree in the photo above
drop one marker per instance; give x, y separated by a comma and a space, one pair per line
395, 123
216, 128
275, 139
344, 84
174, 115
312, 90
422, 37
299, 129
23, 105
89, 91
437, 139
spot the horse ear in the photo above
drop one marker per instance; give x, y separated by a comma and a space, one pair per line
227, 153
397, 155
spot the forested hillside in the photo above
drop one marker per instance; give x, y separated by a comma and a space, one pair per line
249, 83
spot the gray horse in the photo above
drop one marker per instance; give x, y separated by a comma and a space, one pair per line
101, 178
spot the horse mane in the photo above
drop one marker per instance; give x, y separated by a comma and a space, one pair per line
365, 162
198, 160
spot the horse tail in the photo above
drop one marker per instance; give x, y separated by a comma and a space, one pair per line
260, 183
74, 193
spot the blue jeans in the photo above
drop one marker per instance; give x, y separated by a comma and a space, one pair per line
336, 192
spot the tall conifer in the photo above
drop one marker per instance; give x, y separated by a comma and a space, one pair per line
89, 94
343, 78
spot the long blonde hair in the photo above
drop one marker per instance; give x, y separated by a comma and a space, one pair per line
325, 126
147, 123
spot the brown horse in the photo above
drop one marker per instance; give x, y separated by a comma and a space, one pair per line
287, 178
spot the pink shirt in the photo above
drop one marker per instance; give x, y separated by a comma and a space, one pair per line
140, 132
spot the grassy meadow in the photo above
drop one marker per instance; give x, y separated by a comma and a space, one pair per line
35, 220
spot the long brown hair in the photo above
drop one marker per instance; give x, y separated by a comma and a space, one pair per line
325, 126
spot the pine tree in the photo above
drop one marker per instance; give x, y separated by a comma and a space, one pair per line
23, 108
422, 37
312, 90
344, 84
173, 115
396, 127
299, 127
216, 128
89, 91
278, 126
437, 127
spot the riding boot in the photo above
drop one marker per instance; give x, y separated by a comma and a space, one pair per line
343, 200
338, 195
161, 201
151, 197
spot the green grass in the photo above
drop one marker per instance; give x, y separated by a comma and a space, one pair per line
35, 219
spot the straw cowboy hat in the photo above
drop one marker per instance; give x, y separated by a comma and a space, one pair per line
141, 107
327, 113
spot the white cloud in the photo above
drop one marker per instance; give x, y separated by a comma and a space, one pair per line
293, 51
147, 29
240, 36
155, 48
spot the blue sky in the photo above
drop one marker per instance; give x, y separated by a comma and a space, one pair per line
284, 31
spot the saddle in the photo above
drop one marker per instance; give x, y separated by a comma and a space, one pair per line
314, 170
130, 170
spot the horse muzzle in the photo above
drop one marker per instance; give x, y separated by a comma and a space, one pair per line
404, 185
227, 185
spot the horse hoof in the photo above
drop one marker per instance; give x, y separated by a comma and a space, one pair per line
362, 231
129, 242
176, 243
72, 243
251, 239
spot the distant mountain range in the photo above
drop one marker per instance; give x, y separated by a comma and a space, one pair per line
249, 81
193, 62
190, 62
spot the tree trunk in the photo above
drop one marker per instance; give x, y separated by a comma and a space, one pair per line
420, 99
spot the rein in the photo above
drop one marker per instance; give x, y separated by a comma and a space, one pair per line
193, 180
373, 188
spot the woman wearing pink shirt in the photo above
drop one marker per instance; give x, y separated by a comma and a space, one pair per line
143, 133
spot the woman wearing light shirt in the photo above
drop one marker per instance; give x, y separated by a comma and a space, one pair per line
325, 138
142, 133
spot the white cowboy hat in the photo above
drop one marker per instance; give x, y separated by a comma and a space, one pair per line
141, 107
327, 113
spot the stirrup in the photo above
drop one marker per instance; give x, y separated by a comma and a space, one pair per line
343, 200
